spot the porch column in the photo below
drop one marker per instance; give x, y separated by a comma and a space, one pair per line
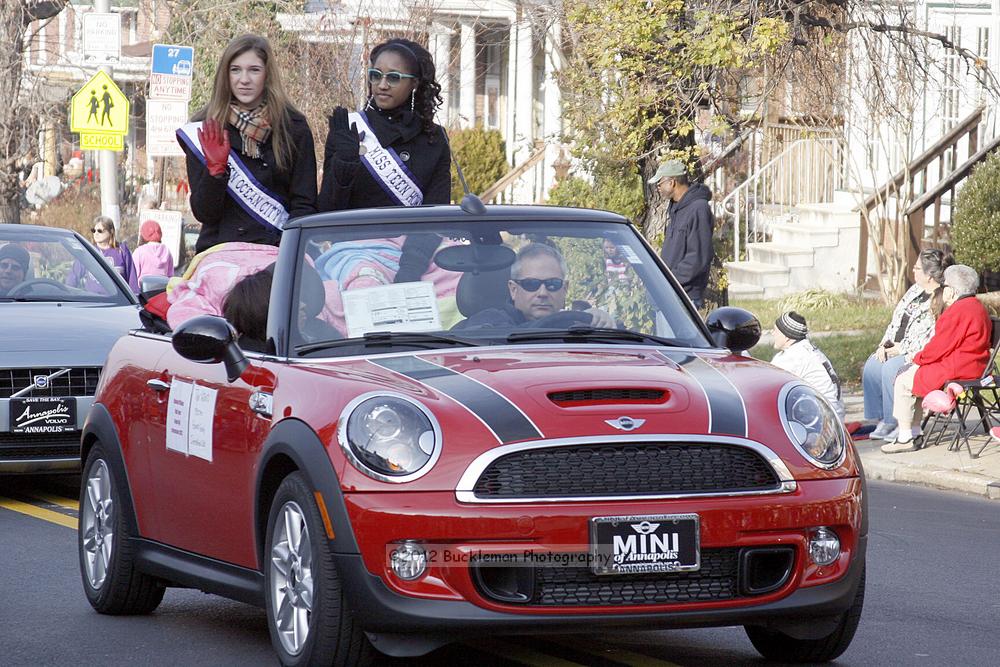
525, 105
467, 80
441, 50
552, 124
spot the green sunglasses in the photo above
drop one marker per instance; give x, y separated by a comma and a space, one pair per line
375, 77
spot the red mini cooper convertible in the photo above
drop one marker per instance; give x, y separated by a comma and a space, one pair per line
466, 421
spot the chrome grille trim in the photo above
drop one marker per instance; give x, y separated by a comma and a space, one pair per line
465, 493
62, 382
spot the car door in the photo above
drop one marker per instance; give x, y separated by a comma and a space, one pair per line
203, 455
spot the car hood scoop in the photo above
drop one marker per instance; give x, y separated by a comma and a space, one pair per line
568, 398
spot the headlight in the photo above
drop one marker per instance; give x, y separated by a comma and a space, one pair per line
389, 437
812, 426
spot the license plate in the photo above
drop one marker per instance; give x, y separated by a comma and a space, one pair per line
651, 543
42, 415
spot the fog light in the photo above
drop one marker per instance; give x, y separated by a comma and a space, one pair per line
408, 561
824, 546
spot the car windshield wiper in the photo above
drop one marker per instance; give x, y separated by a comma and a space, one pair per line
578, 332
390, 338
34, 299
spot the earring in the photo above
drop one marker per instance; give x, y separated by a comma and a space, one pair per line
369, 104
413, 100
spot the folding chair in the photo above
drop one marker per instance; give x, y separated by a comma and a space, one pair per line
982, 394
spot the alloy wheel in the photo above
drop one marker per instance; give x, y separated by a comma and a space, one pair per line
97, 524
291, 578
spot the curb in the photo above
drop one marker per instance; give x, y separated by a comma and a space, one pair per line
877, 467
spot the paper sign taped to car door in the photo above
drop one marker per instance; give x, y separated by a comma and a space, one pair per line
190, 414
178, 407
200, 422
400, 307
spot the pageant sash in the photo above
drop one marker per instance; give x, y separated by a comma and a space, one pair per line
385, 166
260, 203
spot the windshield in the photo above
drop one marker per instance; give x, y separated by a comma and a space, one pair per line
375, 288
36, 265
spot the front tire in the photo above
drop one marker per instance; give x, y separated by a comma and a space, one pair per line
107, 557
776, 645
307, 615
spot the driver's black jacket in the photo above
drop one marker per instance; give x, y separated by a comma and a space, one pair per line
508, 316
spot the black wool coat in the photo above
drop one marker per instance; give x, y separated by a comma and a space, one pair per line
223, 220
349, 185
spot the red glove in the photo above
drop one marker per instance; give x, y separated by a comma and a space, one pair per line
215, 145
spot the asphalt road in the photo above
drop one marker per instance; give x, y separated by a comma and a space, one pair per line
933, 599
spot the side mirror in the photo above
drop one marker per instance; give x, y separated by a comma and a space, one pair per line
208, 339
734, 328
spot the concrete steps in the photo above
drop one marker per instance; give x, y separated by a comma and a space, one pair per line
815, 247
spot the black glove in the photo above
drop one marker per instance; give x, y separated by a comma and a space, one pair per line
343, 139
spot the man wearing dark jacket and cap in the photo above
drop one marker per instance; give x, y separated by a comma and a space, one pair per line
14, 262
687, 245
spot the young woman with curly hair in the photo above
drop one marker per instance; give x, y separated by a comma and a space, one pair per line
251, 160
391, 153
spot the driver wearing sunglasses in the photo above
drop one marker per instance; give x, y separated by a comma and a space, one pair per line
537, 291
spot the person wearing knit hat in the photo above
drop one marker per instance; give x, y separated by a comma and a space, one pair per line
14, 263
797, 355
152, 258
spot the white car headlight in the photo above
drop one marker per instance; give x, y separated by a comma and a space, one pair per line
389, 437
812, 426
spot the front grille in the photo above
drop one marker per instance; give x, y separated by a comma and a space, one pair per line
568, 398
562, 586
626, 469
15, 446
78, 382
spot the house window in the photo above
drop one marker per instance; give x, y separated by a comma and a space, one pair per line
951, 90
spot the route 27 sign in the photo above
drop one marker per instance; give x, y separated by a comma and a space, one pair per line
99, 107
170, 73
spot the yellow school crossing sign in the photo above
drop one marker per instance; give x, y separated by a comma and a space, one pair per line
99, 107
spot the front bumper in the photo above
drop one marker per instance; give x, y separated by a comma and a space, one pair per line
391, 618
447, 601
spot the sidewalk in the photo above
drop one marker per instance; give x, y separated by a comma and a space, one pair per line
932, 466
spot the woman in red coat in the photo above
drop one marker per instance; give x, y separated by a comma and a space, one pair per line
958, 350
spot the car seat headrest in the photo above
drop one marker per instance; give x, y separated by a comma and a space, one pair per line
482, 290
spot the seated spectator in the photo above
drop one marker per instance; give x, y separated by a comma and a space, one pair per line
797, 355
911, 326
152, 258
14, 264
538, 295
958, 350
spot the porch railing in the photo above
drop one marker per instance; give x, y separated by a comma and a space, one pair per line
925, 182
808, 170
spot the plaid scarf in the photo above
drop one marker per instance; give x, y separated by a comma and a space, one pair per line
254, 126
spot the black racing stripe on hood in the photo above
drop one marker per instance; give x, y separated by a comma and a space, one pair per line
495, 410
727, 413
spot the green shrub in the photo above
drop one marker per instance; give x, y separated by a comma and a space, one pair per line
483, 157
616, 190
975, 231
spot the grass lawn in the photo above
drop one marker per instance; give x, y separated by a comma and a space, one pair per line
823, 311
865, 319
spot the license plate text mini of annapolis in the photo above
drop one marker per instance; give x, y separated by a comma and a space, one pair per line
650, 543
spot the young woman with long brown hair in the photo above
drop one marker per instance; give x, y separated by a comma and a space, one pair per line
250, 155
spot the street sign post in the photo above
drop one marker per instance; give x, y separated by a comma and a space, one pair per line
163, 117
99, 107
102, 38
